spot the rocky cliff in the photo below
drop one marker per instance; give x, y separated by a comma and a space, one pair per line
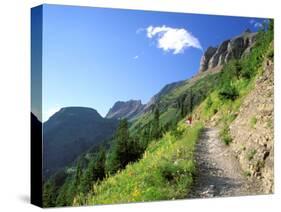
252, 131
129, 109
215, 57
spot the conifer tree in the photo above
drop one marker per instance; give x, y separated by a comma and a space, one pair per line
48, 195
98, 168
156, 133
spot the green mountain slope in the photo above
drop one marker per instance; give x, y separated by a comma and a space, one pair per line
70, 132
164, 172
179, 101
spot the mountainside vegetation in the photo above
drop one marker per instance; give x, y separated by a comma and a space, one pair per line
152, 157
69, 133
165, 172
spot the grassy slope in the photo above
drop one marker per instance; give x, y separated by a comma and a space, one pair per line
199, 86
164, 172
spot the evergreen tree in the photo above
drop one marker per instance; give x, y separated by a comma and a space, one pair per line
51, 188
155, 131
86, 181
237, 69
77, 178
98, 168
118, 157
48, 195
191, 103
145, 138
124, 149
182, 106
66, 193
209, 102
122, 144
95, 171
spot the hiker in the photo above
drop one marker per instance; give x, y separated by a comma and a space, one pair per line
189, 120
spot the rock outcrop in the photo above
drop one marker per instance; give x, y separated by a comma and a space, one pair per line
129, 109
252, 131
215, 57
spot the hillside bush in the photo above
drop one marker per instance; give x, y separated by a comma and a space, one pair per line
225, 135
228, 92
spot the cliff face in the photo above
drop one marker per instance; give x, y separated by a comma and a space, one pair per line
252, 131
215, 57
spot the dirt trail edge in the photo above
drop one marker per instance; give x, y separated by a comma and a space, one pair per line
219, 173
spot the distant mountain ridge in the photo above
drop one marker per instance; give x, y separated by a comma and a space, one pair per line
133, 108
129, 109
70, 132
166, 89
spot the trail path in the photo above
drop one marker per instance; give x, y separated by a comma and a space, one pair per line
219, 173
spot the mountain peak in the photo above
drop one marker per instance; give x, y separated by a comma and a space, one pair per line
131, 101
77, 108
125, 109
73, 113
247, 31
215, 57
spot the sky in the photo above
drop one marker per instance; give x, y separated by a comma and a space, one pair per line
93, 57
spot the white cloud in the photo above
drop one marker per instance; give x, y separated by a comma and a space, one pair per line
136, 57
173, 39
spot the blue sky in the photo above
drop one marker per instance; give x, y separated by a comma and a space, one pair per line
94, 57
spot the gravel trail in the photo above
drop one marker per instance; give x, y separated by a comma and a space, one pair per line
219, 173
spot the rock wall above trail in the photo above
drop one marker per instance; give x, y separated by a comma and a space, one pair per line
253, 132
215, 57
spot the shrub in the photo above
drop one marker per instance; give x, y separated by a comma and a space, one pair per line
247, 173
251, 153
228, 92
169, 170
176, 132
209, 103
270, 54
253, 122
260, 164
225, 135
233, 69
270, 124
